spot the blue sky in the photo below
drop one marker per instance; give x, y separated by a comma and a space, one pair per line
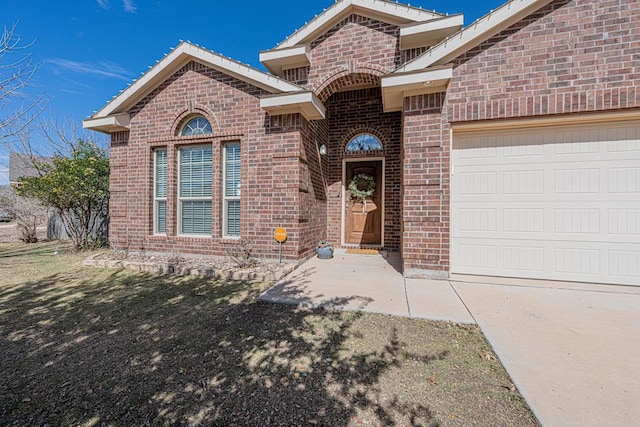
89, 50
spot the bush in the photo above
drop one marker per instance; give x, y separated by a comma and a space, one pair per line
77, 188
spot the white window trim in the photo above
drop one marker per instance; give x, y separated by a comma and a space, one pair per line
157, 199
188, 199
186, 123
225, 198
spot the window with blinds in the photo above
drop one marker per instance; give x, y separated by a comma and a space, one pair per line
194, 190
231, 189
160, 191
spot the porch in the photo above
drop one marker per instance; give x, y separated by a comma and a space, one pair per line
370, 283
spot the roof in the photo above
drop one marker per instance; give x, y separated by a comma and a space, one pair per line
22, 165
383, 10
475, 34
432, 71
177, 58
427, 73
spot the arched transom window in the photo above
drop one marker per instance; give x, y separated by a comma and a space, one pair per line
364, 142
197, 126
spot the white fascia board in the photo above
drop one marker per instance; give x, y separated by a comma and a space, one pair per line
278, 59
476, 33
305, 103
386, 11
176, 59
429, 32
394, 81
108, 124
395, 87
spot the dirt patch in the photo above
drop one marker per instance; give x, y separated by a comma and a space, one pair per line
85, 346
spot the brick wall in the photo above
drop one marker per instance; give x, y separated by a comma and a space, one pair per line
270, 164
118, 187
425, 183
356, 52
569, 57
312, 187
357, 47
348, 114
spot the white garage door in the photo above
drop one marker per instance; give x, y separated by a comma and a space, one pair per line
559, 203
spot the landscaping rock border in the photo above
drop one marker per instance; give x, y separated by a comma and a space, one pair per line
161, 267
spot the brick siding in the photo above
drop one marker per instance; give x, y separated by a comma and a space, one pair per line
270, 172
349, 114
569, 57
425, 183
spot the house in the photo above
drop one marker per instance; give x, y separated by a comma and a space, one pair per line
23, 165
510, 147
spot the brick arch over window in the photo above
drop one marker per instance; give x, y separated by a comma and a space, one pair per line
190, 112
346, 76
359, 130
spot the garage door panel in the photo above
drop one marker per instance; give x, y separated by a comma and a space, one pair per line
571, 261
530, 220
625, 264
512, 183
624, 222
559, 203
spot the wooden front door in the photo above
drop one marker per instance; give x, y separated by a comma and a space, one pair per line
363, 220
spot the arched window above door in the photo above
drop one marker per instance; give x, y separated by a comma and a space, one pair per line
196, 126
364, 142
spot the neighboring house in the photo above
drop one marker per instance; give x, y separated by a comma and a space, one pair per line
23, 165
508, 148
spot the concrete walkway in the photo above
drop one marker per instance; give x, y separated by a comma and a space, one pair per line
573, 351
370, 283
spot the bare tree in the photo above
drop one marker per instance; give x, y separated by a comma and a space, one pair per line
28, 213
62, 136
17, 70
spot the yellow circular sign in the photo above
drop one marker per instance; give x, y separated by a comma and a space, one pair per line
280, 235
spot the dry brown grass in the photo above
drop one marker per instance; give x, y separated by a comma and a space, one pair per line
102, 347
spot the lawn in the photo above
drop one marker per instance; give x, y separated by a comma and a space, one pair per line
86, 346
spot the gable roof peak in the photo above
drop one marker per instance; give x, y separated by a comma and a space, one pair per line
474, 34
383, 10
178, 57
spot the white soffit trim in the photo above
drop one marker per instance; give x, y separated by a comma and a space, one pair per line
476, 33
277, 60
108, 124
546, 121
386, 11
305, 103
429, 33
395, 87
179, 57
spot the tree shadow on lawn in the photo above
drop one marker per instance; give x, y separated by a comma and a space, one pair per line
103, 347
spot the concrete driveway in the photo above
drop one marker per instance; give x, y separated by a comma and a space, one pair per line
573, 351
